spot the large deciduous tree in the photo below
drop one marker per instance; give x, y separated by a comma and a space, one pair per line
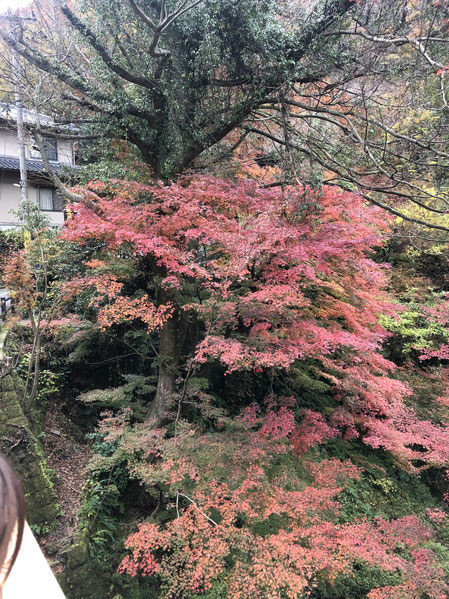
237, 278
256, 279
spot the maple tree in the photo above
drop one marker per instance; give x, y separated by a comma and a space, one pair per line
255, 520
228, 275
271, 277
28, 273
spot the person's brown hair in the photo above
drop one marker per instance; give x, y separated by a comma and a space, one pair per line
12, 517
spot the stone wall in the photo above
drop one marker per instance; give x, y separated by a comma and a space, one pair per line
22, 447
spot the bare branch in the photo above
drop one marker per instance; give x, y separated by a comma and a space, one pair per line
353, 180
194, 503
165, 20
116, 68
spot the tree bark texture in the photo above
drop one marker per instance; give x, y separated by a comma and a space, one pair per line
166, 385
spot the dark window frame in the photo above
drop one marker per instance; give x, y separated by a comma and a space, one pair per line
51, 147
56, 198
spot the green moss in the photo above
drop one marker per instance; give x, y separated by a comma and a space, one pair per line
355, 584
384, 490
23, 448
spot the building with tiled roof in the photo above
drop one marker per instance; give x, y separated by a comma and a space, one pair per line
40, 187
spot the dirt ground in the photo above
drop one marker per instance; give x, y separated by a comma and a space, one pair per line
67, 456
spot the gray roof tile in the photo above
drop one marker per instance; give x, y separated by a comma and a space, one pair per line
33, 166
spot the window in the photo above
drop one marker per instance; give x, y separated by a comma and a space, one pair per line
50, 200
51, 148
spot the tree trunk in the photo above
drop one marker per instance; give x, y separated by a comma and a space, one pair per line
36, 375
166, 385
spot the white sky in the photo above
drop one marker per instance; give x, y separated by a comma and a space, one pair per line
12, 4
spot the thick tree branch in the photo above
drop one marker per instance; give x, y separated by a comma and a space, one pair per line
70, 195
107, 59
69, 79
321, 18
165, 21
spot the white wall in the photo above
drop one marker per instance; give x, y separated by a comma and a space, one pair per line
8, 143
10, 193
9, 200
10, 147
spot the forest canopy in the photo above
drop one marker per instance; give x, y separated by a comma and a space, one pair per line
234, 352
351, 92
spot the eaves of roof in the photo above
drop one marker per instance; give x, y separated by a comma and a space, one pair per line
33, 166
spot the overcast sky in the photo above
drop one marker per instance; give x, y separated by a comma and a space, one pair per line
12, 4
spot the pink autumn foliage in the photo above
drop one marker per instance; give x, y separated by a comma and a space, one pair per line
223, 532
279, 276
312, 431
278, 424
442, 353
